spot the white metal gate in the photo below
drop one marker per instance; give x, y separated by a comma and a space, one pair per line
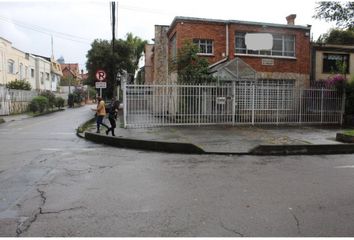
237, 103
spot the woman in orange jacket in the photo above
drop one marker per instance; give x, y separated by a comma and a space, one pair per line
100, 113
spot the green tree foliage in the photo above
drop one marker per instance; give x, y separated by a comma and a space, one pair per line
190, 67
38, 104
342, 13
125, 57
19, 84
137, 45
337, 36
68, 81
50, 96
59, 102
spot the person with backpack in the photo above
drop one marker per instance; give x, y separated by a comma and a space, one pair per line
112, 115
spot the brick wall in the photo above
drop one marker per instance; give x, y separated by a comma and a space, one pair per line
188, 30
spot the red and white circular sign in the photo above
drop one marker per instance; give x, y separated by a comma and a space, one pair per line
101, 75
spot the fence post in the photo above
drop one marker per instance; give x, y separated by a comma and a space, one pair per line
199, 104
321, 105
253, 102
233, 102
300, 111
125, 104
343, 107
278, 103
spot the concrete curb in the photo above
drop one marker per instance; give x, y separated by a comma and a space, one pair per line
318, 149
170, 147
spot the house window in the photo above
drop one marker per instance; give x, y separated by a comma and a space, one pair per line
32, 73
11, 66
42, 78
283, 45
47, 76
332, 63
205, 46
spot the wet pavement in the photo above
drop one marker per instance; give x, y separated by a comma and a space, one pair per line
54, 184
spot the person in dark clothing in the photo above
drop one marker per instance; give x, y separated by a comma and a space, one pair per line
112, 115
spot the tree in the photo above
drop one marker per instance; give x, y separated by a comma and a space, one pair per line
19, 84
68, 81
190, 67
342, 13
137, 45
337, 36
125, 57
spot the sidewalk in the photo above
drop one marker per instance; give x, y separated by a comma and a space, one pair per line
16, 117
230, 140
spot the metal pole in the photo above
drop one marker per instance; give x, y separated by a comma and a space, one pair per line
199, 105
125, 104
253, 102
343, 107
233, 102
322, 105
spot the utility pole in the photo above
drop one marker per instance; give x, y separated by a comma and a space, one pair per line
113, 8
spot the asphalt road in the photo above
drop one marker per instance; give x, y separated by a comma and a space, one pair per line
55, 184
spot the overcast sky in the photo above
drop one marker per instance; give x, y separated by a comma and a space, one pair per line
75, 24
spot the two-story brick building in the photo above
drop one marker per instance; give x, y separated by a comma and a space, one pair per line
223, 41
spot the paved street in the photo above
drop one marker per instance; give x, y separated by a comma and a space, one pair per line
53, 183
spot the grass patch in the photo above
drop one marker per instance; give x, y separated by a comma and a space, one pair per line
2, 120
82, 128
349, 132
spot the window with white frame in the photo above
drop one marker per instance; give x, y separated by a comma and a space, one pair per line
283, 45
11, 66
47, 76
205, 46
42, 78
32, 73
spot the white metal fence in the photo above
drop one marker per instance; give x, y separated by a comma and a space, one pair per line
232, 104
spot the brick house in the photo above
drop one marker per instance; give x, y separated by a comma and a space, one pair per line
223, 41
71, 70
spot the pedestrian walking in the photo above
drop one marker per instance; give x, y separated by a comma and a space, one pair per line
100, 113
112, 115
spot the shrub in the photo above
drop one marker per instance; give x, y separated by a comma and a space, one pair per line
19, 84
79, 95
39, 104
59, 102
51, 98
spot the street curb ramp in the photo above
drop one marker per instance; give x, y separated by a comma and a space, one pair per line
317, 149
160, 146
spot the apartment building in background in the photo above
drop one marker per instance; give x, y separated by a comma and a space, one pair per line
41, 72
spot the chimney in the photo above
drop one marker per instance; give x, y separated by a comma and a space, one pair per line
291, 19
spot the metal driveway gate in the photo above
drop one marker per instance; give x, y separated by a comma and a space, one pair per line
230, 104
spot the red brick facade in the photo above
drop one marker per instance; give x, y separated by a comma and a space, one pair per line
217, 30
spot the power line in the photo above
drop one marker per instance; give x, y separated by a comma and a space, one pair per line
46, 31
